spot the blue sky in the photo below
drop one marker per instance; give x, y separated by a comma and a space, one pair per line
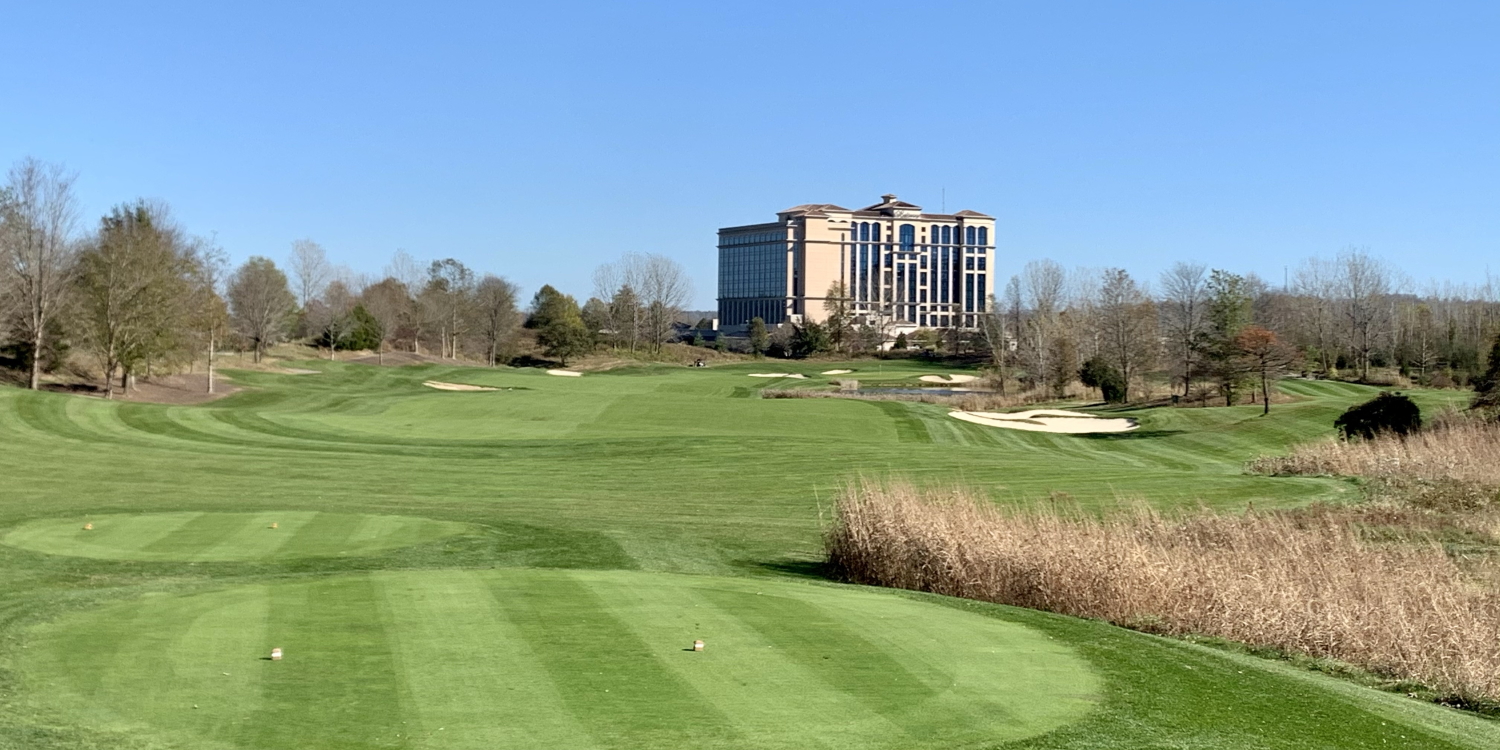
538, 140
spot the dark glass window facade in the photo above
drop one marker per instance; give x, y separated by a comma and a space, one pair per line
753, 277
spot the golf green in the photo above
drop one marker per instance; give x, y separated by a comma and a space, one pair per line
223, 537
551, 658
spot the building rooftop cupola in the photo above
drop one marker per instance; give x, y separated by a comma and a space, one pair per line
890, 205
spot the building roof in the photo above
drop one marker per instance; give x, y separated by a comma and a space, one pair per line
889, 201
814, 209
974, 214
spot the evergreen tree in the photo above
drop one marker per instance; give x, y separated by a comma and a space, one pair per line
364, 331
760, 340
559, 325
1098, 373
1229, 311
1487, 387
810, 338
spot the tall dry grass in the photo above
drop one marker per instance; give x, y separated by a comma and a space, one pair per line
1304, 583
1455, 449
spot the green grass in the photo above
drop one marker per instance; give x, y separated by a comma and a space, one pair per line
481, 541
221, 537
588, 659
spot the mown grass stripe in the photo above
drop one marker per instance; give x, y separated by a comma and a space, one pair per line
607, 677
336, 647
838, 655
741, 672
254, 539
192, 539
471, 681
326, 534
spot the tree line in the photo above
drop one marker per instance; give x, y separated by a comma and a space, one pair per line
1207, 333
1214, 334
140, 294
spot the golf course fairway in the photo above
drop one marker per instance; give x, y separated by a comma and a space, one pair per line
528, 568
221, 537
576, 659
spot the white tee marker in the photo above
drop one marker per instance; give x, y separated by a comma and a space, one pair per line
275, 654
697, 645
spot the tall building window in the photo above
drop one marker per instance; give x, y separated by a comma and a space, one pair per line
969, 236
864, 273
947, 235
943, 283
875, 231
908, 238
984, 236
968, 292
979, 286
864, 230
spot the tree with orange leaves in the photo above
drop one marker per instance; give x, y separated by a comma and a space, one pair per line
1261, 353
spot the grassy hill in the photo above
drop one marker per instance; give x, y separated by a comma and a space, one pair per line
466, 562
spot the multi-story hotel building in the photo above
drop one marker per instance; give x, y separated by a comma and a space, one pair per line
899, 268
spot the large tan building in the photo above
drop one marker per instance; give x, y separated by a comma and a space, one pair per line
900, 269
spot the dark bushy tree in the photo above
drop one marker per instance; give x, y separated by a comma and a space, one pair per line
1387, 413
809, 339
363, 331
1487, 387
1097, 373
559, 326
901, 343
760, 339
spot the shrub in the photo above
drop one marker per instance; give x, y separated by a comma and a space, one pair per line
1487, 386
1387, 413
1096, 373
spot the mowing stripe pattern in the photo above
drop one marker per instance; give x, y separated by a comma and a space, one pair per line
537, 658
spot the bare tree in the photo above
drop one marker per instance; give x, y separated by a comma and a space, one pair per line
498, 317
1314, 291
329, 315
1041, 289
210, 313
1184, 314
416, 313
839, 309
1364, 284
994, 325
447, 300
1126, 322
38, 217
663, 289
310, 268
260, 303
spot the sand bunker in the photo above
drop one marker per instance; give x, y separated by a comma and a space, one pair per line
948, 378
1048, 420
776, 375
457, 386
296, 371
565, 373
837, 372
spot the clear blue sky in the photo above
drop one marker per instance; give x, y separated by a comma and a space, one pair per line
537, 140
